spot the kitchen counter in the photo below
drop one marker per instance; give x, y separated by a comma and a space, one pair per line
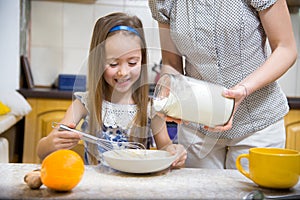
294, 102
48, 93
101, 182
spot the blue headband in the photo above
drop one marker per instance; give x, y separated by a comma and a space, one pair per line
124, 28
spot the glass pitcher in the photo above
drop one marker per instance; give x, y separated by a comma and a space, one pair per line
193, 100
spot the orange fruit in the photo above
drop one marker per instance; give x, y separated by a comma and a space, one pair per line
62, 170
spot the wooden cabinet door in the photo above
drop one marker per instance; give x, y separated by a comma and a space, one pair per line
38, 124
292, 125
293, 136
45, 127
45, 121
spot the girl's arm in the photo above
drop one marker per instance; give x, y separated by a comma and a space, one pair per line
63, 139
160, 133
163, 141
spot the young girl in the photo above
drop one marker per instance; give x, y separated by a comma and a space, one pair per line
116, 104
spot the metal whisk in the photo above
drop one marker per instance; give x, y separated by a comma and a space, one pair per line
106, 145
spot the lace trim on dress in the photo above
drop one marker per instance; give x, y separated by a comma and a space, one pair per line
83, 97
118, 115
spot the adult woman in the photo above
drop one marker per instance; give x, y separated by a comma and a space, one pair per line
224, 43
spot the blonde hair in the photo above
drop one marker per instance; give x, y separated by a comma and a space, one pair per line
97, 86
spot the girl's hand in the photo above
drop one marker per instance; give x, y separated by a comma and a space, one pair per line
238, 93
64, 139
179, 150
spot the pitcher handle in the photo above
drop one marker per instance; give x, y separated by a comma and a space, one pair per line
240, 167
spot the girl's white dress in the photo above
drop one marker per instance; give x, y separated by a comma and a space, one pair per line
117, 122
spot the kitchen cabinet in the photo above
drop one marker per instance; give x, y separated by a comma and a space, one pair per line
292, 125
46, 108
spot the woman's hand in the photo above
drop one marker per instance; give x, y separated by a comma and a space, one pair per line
171, 119
180, 151
168, 118
238, 93
64, 139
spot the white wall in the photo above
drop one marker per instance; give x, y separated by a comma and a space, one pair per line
9, 44
61, 34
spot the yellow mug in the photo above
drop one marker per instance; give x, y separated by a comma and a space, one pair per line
271, 167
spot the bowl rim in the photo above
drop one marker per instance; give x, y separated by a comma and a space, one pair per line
109, 154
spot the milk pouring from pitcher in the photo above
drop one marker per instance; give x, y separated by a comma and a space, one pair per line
192, 100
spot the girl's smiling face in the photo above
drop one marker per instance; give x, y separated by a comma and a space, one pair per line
123, 65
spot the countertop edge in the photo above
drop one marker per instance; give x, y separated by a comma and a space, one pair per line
49, 93
294, 102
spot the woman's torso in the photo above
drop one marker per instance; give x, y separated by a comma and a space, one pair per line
223, 42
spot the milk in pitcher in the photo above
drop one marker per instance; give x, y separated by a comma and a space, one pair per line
192, 100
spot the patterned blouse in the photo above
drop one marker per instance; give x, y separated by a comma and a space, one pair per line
223, 42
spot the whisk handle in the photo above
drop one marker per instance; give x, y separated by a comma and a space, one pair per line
85, 135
